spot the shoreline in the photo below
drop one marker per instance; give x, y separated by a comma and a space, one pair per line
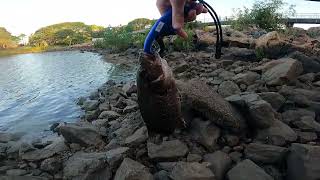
268, 109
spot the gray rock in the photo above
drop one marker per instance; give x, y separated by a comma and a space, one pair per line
130, 170
306, 137
92, 115
220, 163
317, 83
167, 166
236, 156
22, 178
303, 162
205, 133
84, 165
85, 135
90, 105
295, 115
277, 130
167, 150
6, 137
139, 137
262, 114
16, 172
210, 104
191, 171
248, 170
226, 75
275, 99
282, 71
110, 115
247, 78
104, 107
130, 88
56, 147
228, 88
130, 108
307, 123
194, 158
268, 154
51, 165
115, 156
309, 77
161, 175
181, 67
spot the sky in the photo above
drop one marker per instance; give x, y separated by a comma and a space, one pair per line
26, 16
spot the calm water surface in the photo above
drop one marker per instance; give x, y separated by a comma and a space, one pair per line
37, 90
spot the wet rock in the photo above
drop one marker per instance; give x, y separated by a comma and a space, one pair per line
303, 162
262, 114
84, 165
110, 115
275, 99
247, 78
247, 170
56, 147
205, 133
307, 123
92, 115
16, 172
90, 105
228, 88
220, 163
210, 104
167, 150
139, 137
51, 165
130, 169
130, 88
268, 154
282, 71
6, 137
191, 171
85, 135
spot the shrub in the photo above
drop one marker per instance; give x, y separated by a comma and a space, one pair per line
266, 14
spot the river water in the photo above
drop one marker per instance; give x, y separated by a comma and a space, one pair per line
37, 90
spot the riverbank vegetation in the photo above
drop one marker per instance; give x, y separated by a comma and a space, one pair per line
265, 14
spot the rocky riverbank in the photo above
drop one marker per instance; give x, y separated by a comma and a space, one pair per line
253, 115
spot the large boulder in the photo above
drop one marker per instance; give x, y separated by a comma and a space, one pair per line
167, 150
205, 133
248, 170
303, 162
262, 153
191, 171
311, 64
87, 165
275, 99
220, 163
282, 71
85, 135
56, 147
228, 88
278, 130
138, 137
272, 46
209, 104
132, 170
262, 114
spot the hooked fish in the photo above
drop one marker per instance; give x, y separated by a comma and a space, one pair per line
158, 95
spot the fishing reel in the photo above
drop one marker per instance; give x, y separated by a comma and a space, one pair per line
163, 27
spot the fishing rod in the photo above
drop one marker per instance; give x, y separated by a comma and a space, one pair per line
163, 27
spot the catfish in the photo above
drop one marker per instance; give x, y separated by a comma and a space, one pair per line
158, 95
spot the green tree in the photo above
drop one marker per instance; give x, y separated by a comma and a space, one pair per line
6, 39
140, 24
266, 14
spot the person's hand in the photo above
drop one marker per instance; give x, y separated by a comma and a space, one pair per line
178, 18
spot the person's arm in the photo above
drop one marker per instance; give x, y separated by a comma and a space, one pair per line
178, 17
